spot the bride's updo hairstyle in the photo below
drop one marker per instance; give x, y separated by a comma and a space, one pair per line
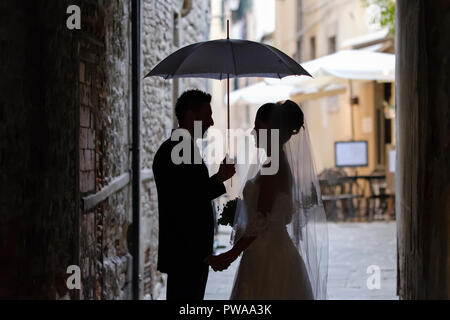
292, 120
287, 117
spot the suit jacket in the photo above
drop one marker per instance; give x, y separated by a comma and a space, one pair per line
186, 218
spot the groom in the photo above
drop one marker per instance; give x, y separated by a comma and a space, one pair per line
185, 192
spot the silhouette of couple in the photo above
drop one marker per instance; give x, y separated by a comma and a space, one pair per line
271, 266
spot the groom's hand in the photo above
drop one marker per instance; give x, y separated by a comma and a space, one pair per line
226, 171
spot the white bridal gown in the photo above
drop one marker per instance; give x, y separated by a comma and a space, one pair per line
271, 268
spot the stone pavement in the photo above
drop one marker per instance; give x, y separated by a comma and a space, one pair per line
353, 248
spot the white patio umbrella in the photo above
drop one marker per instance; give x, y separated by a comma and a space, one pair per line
346, 65
329, 72
343, 66
262, 92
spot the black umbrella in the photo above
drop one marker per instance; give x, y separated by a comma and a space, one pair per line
225, 59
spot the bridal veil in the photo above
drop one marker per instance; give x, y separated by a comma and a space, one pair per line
308, 226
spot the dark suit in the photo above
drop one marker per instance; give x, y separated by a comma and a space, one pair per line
186, 221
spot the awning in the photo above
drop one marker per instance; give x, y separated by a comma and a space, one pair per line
328, 72
311, 93
366, 40
347, 64
262, 92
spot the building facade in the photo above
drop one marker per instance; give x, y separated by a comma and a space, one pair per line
310, 29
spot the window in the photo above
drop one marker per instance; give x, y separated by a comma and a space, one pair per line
312, 46
380, 136
332, 44
298, 54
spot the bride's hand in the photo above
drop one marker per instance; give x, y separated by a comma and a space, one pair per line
221, 261
217, 263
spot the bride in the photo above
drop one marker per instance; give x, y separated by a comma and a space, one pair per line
279, 225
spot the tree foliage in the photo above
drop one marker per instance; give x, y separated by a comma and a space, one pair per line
386, 18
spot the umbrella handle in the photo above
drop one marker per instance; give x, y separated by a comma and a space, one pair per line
228, 118
228, 100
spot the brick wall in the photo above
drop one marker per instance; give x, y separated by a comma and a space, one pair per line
104, 77
91, 86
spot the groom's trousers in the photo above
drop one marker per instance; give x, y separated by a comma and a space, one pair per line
188, 283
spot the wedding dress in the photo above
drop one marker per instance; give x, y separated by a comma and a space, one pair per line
288, 259
271, 267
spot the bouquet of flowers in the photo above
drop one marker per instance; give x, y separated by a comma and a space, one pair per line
227, 215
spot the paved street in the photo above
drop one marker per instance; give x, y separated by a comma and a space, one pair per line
353, 248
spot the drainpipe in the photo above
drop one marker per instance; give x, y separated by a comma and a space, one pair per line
136, 166
187, 7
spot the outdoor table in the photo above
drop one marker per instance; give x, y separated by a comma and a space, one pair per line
357, 195
346, 198
373, 195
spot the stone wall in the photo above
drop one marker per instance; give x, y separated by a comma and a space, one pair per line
104, 231
65, 123
105, 105
65, 108
117, 261
159, 40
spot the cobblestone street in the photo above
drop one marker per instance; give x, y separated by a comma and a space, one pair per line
353, 248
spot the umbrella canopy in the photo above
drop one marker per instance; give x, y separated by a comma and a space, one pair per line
219, 59
225, 59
